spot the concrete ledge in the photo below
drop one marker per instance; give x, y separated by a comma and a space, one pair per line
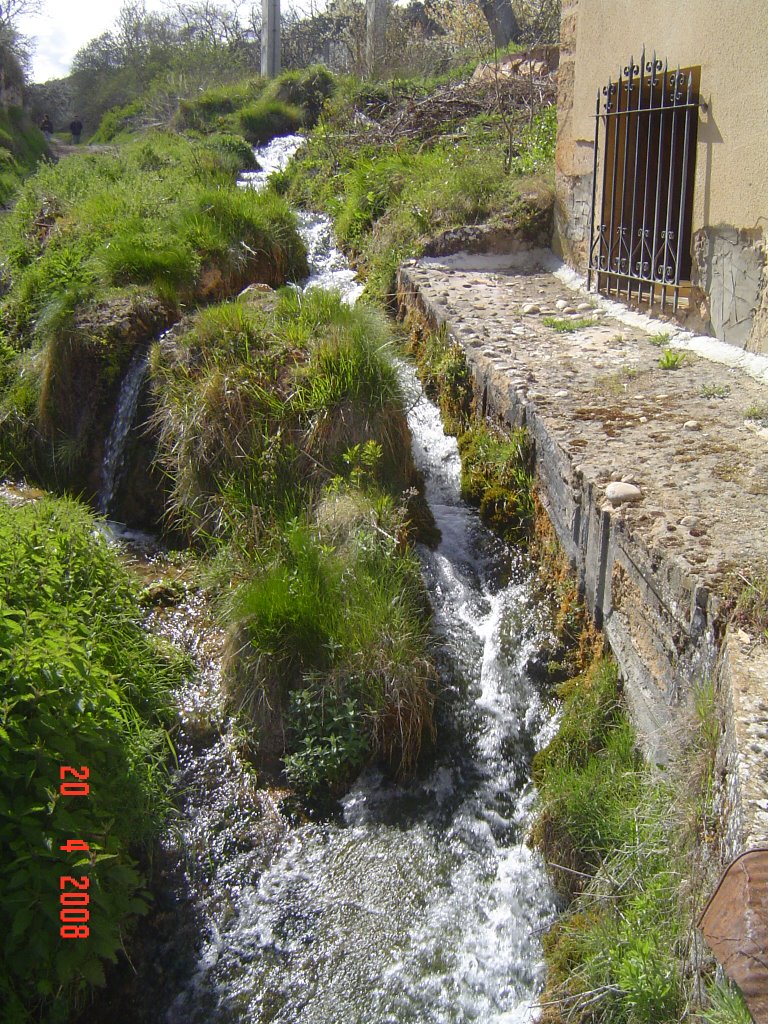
600, 410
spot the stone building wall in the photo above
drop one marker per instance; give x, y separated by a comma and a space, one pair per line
730, 201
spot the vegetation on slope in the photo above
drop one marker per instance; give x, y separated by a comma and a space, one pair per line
396, 166
633, 850
101, 252
82, 684
22, 147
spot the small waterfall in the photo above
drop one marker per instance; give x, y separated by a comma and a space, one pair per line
125, 413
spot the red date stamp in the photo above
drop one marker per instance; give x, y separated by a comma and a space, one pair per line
73, 895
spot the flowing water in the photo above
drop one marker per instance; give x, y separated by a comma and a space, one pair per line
125, 413
419, 903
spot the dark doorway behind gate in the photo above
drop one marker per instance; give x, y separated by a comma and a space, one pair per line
642, 192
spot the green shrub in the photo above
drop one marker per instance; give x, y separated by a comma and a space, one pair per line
209, 110
82, 684
587, 776
331, 637
496, 475
262, 121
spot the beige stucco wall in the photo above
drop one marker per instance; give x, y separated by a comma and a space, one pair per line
728, 39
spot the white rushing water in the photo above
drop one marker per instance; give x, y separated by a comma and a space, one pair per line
125, 413
422, 903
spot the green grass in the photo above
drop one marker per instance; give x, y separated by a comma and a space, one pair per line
757, 411
497, 476
726, 1005
659, 340
749, 602
265, 119
260, 109
443, 372
715, 390
283, 437
629, 846
563, 326
22, 147
258, 402
587, 776
82, 684
671, 360
331, 636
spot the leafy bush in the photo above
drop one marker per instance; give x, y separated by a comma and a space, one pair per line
82, 684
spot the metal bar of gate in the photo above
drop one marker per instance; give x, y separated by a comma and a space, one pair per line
622, 228
652, 67
674, 82
657, 204
603, 260
639, 86
684, 189
611, 258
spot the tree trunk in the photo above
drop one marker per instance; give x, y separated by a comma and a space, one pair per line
501, 21
376, 15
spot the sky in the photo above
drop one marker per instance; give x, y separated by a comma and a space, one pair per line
63, 27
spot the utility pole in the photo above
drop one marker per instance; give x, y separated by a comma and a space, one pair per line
270, 38
376, 12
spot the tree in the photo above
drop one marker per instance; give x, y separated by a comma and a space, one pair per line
502, 21
12, 10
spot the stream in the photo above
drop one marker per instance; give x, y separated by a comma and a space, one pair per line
417, 903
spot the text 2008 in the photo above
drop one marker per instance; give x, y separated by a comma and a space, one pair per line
73, 895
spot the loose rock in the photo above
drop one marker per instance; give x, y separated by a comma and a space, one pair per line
618, 493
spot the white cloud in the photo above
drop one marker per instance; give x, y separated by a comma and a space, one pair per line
63, 27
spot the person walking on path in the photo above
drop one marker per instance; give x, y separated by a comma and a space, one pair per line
76, 128
46, 128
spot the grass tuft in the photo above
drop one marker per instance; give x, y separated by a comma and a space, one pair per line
563, 326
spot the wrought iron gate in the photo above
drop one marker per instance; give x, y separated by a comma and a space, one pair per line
641, 216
